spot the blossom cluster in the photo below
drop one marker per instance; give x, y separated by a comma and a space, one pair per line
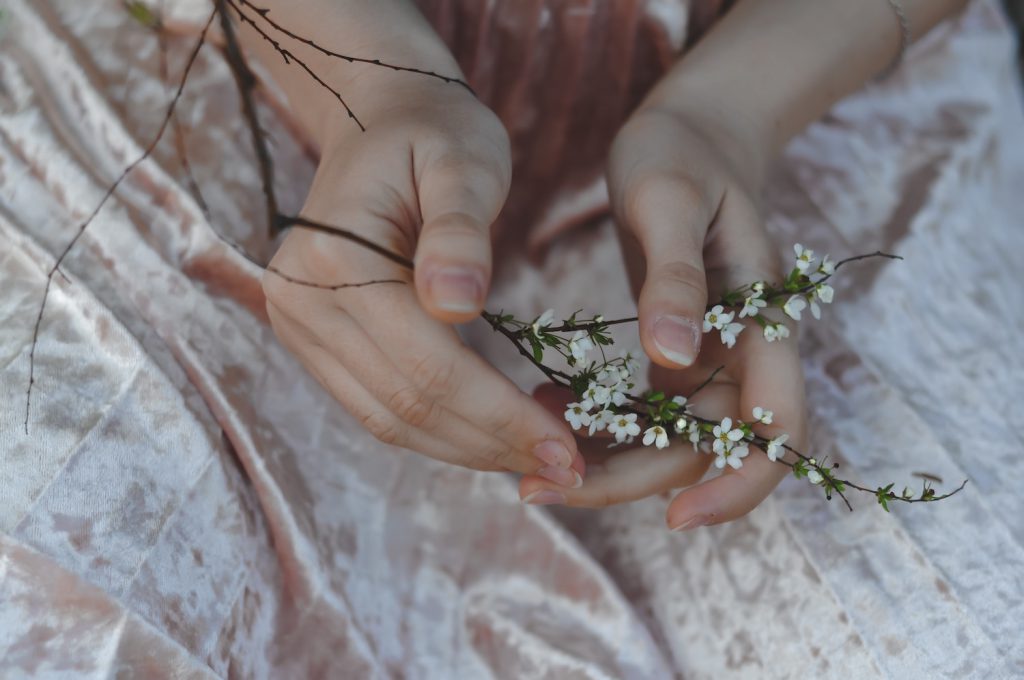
605, 404
798, 292
605, 388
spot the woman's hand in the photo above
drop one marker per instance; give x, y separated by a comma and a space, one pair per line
425, 180
684, 193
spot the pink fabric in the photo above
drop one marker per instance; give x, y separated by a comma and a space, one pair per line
563, 75
189, 503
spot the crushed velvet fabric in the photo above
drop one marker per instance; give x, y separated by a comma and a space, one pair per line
188, 503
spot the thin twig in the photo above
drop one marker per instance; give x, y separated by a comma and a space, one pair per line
265, 15
313, 225
99, 206
289, 57
707, 381
246, 82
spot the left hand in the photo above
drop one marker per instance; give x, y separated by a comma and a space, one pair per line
685, 200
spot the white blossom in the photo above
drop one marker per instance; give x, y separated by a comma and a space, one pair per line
679, 400
763, 415
827, 266
775, 331
758, 288
717, 318
623, 425
599, 421
824, 292
732, 457
595, 395
794, 306
813, 304
617, 394
694, 434
656, 435
775, 449
726, 436
629, 362
804, 257
680, 425
752, 305
579, 345
814, 477
729, 334
577, 416
543, 321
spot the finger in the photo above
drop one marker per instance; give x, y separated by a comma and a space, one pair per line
404, 414
460, 197
623, 477
771, 377
366, 408
433, 358
427, 353
669, 217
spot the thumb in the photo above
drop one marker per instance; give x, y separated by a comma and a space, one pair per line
670, 221
460, 197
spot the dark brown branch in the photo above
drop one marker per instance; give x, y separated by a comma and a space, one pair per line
246, 82
565, 328
707, 381
265, 15
289, 57
176, 127
99, 206
313, 225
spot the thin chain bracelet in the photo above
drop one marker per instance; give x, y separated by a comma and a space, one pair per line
901, 16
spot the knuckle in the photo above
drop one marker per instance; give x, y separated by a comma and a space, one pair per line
682, 275
504, 424
384, 427
410, 406
460, 225
508, 458
434, 377
663, 192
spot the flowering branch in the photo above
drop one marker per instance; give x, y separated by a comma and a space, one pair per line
603, 388
605, 400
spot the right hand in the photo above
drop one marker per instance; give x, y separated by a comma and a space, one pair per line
426, 180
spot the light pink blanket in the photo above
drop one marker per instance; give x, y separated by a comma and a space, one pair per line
189, 503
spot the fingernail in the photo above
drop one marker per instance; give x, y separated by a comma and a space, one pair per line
457, 289
692, 523
562, 477
553, 453
678, 339
544, 497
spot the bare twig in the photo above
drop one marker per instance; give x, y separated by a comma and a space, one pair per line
289, 58
99, 206
246, 82
265, 15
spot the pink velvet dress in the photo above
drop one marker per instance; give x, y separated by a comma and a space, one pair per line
189, 503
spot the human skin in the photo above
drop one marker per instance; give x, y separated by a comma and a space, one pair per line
685, 176
429, 176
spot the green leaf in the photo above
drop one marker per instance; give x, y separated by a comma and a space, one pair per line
142, 14
538, 349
